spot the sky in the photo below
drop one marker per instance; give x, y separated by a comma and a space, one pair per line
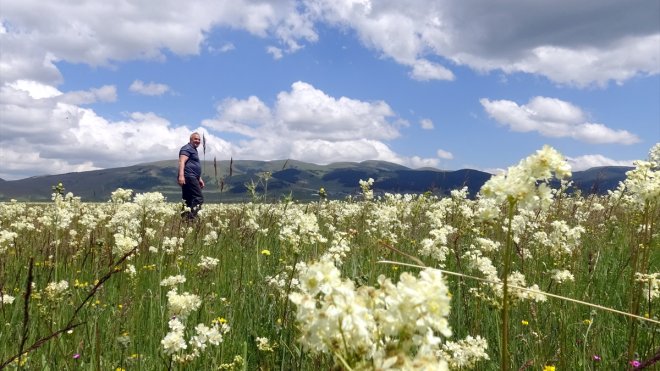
478, 84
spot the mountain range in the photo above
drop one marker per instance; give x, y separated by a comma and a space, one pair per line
231, 181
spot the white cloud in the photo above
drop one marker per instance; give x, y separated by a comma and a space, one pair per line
103, 33
151, 88
224, 48
416, 162
424, 70
35, 89
307, 124
107, 93
445, 155
578, 43
552, 117
588, 161
58, 135
51, 134
276, 52
426, 124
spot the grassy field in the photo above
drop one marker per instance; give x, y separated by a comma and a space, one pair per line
130, 285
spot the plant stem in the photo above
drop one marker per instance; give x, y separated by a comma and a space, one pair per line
508, 252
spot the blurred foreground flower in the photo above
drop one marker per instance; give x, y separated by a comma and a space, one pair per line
395, 326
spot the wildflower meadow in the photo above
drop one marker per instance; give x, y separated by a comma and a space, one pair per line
529, 275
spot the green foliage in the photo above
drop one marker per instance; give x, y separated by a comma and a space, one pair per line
123, 320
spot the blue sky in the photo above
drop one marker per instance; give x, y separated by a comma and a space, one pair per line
445, 84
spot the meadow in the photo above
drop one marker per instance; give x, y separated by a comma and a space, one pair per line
524, 277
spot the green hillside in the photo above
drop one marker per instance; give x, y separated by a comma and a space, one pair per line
230, 181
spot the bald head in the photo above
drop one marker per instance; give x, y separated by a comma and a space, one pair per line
195, 139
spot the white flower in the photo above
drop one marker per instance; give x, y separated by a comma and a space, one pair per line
519, 183
561, 276
182, 305
130, 269
123, 244
208, 263
54, 289
263, 344
6, 299
465, 353
651, 283
7, 240
174, 341
173, 280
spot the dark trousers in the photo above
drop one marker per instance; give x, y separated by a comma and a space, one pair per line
192, 194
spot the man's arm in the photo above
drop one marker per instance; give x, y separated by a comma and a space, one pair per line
182, 164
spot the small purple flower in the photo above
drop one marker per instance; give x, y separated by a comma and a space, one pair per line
635, 363
76, 356
596, 358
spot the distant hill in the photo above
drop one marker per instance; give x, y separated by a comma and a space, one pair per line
299, 179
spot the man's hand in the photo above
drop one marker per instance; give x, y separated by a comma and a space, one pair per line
201, 183
181, 180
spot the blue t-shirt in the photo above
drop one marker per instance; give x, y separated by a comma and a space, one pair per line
193, 168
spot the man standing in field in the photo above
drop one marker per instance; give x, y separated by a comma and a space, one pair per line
190, 175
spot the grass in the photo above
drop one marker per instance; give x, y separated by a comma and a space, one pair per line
124, 319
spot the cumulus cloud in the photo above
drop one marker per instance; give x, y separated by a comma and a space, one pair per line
582, 43
224, 48
445, 155
416, 162
276, 52
100, 34
106, 93
553, 117
426, 124
46, 131
307, 124
424, 70
151, 88
590, 42
588, 161
57, 134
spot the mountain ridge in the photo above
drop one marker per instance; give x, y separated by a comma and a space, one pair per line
230, 181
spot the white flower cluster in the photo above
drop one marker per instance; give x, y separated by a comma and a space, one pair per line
56, 289
338, 249
6, 299
121, 195
395, 326
562, 239
174, 343
300, 227
520, 183
123, 244
173, 280
651, 290
172, 245
211, 238
642, 184
465, 353
181, 305
366, 185
561, 275
208, 263
476, 261
264, 345
7, 239
286, 280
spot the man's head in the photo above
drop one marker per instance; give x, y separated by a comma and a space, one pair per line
195, 139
